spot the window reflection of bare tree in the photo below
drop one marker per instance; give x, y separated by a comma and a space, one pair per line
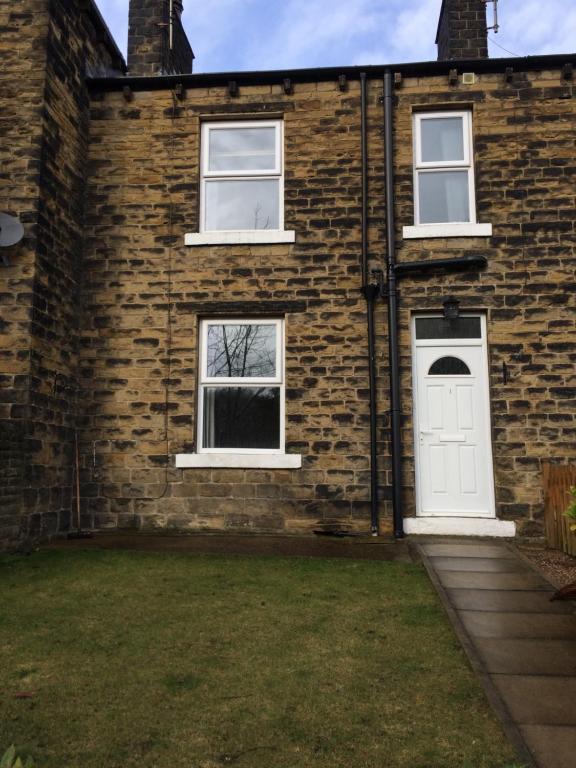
242, 351
257, 210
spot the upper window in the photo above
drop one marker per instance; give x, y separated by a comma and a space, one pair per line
241, 398
242, 177
443, 168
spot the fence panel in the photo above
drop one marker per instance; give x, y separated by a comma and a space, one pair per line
558, 479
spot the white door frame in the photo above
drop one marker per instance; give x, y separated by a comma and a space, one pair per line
485, 524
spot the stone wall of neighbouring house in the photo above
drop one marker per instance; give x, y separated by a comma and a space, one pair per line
24, 26
526, 187
49, 46
142, 199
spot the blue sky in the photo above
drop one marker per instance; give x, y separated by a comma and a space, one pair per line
234, 35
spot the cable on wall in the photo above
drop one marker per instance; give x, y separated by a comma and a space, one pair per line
169, 309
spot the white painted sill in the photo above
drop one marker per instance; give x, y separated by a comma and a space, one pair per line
239, 460
256, 237
422, 231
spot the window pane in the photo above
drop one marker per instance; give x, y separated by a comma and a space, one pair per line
242, 149
442, 139
243, 350
242, 204
449, 366
443, 197
441, 328
241, 417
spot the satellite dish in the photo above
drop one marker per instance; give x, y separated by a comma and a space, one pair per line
11, 230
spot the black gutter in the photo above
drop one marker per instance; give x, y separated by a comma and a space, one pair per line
434, 265
393, 357
270, 77
370, 293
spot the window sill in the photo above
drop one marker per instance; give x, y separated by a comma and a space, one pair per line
255, 237
239, 460
422, 231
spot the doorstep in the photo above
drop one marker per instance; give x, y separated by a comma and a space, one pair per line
460, 526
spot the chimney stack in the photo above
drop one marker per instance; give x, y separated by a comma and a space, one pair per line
157, 42
462, 30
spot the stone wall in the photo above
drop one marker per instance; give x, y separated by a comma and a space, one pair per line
145, 287
525, 187
49, 47
24, 26
140, 392
101, 302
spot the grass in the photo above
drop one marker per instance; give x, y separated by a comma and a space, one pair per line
183, 661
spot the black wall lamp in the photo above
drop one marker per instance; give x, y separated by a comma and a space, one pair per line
451, 308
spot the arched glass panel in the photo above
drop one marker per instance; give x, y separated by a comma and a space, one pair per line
449, 366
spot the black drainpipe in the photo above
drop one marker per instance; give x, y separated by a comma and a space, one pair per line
395, 414
394, 273
370, 293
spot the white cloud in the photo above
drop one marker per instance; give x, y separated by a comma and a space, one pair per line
263, 34
531, 27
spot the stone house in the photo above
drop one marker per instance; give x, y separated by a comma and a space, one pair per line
287, 301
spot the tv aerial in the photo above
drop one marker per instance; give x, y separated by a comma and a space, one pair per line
11, 232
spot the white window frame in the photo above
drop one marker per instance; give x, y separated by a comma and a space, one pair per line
445, 229
248, 236
277, 381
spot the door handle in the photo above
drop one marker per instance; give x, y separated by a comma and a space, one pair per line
426, 432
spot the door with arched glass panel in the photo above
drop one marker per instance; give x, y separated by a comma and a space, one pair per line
452, 420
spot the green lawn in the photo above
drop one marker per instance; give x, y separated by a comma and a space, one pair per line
186, 661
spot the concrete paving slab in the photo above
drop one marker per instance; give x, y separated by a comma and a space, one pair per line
504, 581
519, 625
539, 700
527, 656
554, 746
507, 601
480, 564
465, 550
521, 645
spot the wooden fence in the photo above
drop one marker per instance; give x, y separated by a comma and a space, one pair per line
558, 479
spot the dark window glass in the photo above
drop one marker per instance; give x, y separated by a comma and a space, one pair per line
449, 366
241, 417
247, 351
441, 328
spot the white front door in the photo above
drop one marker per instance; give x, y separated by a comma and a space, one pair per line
452, 422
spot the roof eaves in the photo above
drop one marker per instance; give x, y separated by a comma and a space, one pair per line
317, 74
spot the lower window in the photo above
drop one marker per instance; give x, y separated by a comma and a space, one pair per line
241, 397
